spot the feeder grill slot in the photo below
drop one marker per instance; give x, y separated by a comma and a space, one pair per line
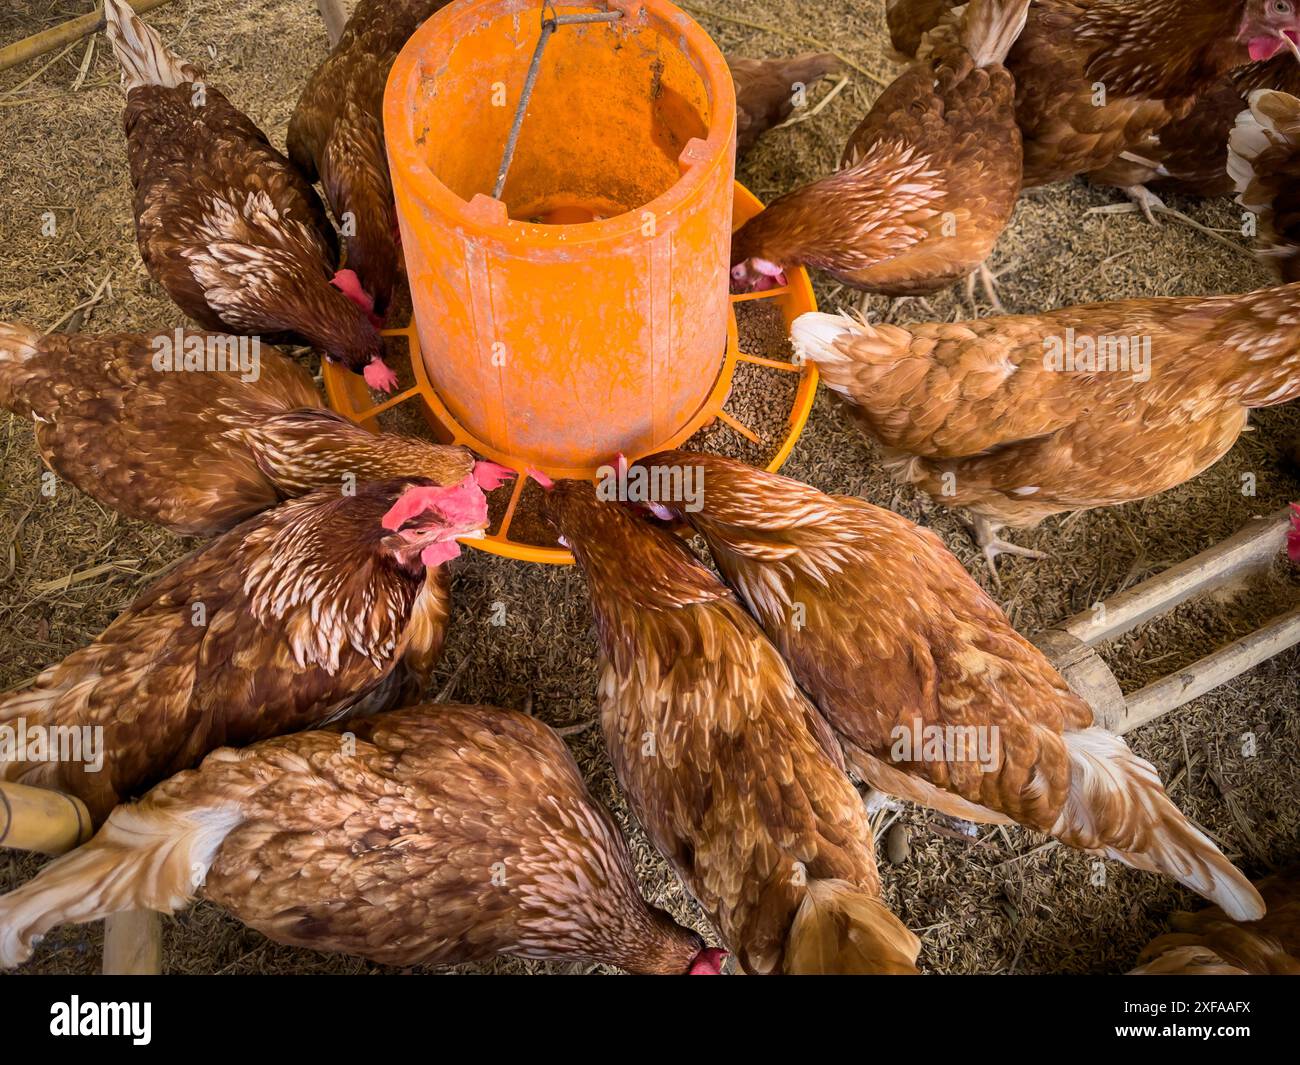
549, 25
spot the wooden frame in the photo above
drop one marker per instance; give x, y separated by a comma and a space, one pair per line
1072, 644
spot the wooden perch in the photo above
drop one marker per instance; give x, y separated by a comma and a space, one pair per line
42, 820
335, 19
66, 33
1072, 645
51, 822
133, 944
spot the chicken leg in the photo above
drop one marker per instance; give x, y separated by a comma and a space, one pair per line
985, 533
988, 281
1147, 201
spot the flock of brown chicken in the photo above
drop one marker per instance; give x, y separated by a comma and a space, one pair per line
738, 706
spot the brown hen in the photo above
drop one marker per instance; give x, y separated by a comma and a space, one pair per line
336, 136
910, 20
935, 697
766, 90
205, 448
1189, 156
428, 836
1150, 61
927, 184
1019, 418
328, 605
732, 772
1209, 943
225, 224
1098, 80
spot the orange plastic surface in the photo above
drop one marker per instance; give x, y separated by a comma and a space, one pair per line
347, 393
562, 344
587, 312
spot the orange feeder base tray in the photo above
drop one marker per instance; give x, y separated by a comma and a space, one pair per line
348, 395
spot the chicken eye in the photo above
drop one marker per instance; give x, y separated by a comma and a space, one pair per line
1281, 7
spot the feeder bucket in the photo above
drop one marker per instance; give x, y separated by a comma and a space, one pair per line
585, 312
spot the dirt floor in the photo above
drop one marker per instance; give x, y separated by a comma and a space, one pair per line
1002, 902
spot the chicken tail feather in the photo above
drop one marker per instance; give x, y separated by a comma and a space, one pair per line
1262, 151
990, 27
1117, 807
849, 352
17, 346
148, 856
144, 58
839, 928
1271, 121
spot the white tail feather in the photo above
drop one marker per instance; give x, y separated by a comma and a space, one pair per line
1256, 131
146, 857
144, 58
17, 342
814, 335
1117, 807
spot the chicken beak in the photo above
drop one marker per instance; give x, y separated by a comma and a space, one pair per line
1289, 39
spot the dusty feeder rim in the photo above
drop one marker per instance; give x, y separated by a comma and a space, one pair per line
482, 213
348, 395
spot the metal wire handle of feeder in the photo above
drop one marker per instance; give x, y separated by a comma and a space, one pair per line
550, 23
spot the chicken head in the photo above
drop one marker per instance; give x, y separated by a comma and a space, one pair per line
1269, 26
428, 519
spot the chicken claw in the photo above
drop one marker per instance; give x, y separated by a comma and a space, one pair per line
1148, 202
988, 281
891, 315
875, 801
986, 536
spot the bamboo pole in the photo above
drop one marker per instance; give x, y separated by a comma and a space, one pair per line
65, 33
133, 944
1208, 673
42, 820
1253, 548
335, 18
1071, 645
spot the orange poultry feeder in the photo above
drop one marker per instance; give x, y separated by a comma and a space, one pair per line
564, 178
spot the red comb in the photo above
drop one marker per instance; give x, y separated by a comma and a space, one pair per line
379, 376
461, 505
541, 478
347, 282
1293, 537
490, 475
708, 962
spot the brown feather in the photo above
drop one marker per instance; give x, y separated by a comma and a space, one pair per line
336, 133
1209, 943
432, 835
978, 415
736, 778
927, 183
897, 645
194, 450
299, 616
225, 223
765, 90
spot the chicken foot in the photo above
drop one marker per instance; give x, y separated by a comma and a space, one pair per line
1147, 201
988, 282
1150, 205
986, 536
